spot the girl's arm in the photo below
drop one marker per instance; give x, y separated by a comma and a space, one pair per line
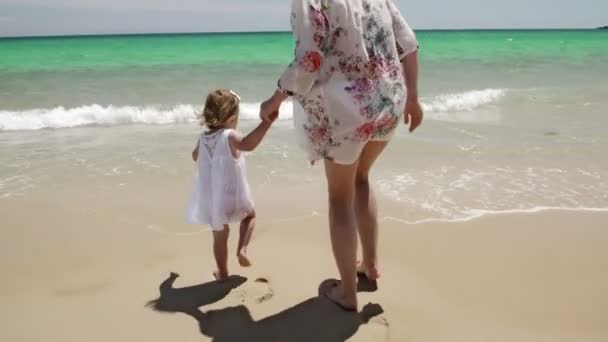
252, 140
195, 151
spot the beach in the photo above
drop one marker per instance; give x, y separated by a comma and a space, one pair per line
86, 274
494, 214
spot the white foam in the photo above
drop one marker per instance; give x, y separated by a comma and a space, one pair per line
464, 107
448, 107
463, 102
61, 117
92, 115
474, 214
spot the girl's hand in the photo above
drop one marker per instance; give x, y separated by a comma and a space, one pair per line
413, 113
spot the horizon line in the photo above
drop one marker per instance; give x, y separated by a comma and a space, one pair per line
132, 34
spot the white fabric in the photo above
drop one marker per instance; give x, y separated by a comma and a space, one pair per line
221, 194
346, 75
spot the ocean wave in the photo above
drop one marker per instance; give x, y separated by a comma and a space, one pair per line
97, 115
463, 102
465, 106
61, 117
447, 107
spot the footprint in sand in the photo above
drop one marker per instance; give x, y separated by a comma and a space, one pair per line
266, 290
258, 291
380, 320
377, 327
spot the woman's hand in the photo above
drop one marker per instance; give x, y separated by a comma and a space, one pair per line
413, 114
270, 108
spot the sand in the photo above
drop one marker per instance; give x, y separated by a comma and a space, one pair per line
75, 274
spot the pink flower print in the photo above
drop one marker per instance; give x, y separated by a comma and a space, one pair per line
318, 19
318, 38
312, 61
365, 131
318, 134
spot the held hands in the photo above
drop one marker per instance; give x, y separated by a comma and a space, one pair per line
273, 117
267, 115
269, 110
413, 113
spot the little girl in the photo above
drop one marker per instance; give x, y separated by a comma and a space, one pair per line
221, 194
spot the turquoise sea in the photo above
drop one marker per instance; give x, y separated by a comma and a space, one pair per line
516, 119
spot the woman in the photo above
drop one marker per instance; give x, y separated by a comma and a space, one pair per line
354, 74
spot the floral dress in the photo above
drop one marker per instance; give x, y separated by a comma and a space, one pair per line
346, 76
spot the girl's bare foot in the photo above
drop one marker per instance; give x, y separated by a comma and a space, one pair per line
370, 272
336, 295
243, 258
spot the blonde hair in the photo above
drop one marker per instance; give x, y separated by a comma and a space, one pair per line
220, 106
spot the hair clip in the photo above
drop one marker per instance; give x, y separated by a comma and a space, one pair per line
235, 95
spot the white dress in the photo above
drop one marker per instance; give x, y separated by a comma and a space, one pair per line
346, 75
221, 194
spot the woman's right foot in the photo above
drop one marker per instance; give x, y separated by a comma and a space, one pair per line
336, 295
370, 272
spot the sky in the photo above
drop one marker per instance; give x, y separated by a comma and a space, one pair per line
67, 17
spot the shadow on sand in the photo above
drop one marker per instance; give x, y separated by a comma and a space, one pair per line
316, 319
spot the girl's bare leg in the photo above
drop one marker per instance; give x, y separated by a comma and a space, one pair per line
246, 231
220, 251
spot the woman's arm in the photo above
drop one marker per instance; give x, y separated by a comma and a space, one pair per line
405, 38
407, 47
410, 69
413, 111
310, 26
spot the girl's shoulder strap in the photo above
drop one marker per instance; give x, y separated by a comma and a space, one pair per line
226, 134
226, 137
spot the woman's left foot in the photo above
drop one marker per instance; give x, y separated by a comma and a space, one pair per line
243, 259
370, 273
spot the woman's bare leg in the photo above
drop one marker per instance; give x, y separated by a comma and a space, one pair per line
343, 231
367, 211
220, 251
245, 233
